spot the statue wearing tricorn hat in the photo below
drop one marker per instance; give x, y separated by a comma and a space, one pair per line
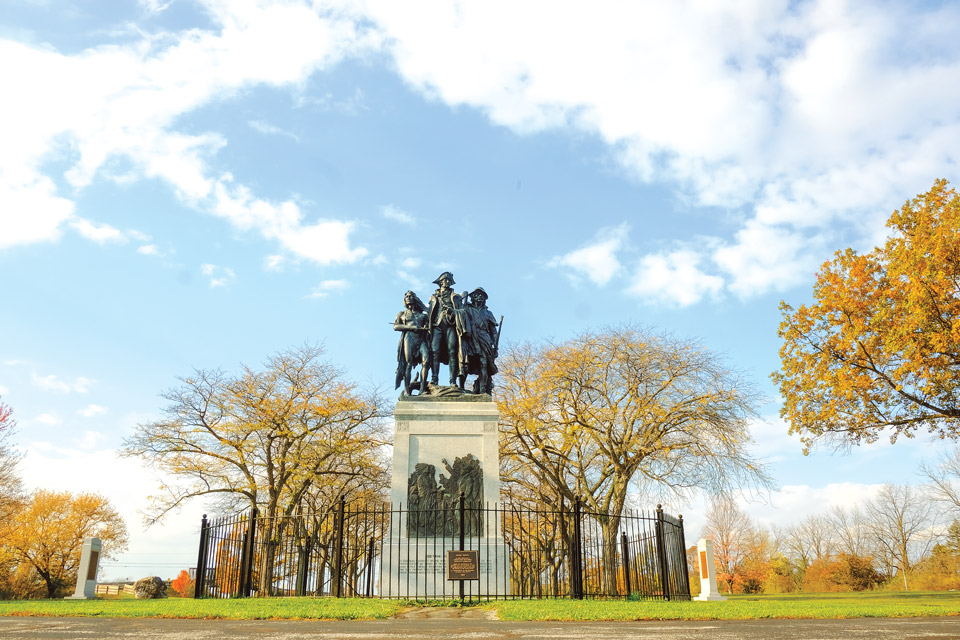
442, 311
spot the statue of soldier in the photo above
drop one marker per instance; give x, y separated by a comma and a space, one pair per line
444, 307
479, 348
412, 349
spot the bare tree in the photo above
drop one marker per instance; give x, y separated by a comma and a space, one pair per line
731, 530
850, 529
944, 478
899, 521
11, 487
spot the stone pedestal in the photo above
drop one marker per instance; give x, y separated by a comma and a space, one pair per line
708, 572
438, 443
87, 572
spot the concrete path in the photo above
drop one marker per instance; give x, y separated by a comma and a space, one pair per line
475, 625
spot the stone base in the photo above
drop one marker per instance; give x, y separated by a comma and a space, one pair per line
417, 569
710, 598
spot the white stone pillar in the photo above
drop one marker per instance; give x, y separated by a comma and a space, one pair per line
708, 572
87, 571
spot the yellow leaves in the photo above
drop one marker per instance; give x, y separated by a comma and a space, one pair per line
879, 342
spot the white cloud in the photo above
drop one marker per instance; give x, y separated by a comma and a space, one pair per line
149, 250
817, 117
674, 278
88, 440
270, 129
92, 410
597, 261
397, 214
99, 233
323, 242
123, 102
219, 276
327, 287
771, 440
274, 262
793, 503
53, 383
48, 419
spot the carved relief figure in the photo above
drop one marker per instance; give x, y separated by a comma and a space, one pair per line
422, 500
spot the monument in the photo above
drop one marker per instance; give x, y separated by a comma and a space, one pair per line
87, 571
445, 451
708, 572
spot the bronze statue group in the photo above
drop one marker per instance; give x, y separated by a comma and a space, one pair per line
457, 330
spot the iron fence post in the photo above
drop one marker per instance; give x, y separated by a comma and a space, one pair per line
578, 551
370, 569
338, 550
662, 555
686, 566
198, 583
246, 574
303, 566
626, 562
460, 509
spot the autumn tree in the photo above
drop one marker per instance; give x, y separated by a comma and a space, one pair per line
878, 349
597, 414
50, 530
263, 438
276, 438
183, 584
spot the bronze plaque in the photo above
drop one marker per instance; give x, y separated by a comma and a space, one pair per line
92, 569
703, 565
463, 565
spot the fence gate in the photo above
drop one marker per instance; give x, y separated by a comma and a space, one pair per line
498, 551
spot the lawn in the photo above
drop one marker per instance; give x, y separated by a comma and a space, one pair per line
827, 605
822, 605
239, 609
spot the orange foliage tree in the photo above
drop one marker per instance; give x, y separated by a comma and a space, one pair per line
51, 529
879, 346
182, 584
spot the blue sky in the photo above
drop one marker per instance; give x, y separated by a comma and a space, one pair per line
202, 183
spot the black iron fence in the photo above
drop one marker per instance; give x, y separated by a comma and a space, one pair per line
362, 550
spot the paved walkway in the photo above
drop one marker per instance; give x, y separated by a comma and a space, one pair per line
475, 625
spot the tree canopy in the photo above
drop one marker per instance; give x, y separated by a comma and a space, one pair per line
266, 437
878, 349
589, 416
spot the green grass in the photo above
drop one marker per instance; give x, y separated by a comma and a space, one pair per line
821, 605
240, 609
881, 604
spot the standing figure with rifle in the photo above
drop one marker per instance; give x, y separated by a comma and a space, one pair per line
442, 313
479, 341
413, 349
